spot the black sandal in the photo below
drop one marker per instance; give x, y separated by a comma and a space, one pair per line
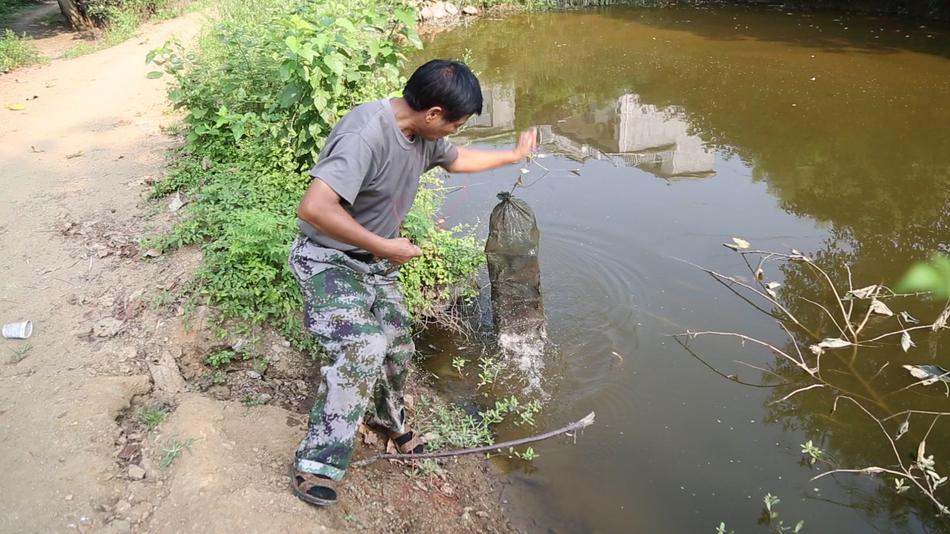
313, 489
409, 443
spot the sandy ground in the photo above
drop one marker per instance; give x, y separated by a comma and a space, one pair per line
75, 167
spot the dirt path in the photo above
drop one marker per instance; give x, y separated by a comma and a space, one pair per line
77, 162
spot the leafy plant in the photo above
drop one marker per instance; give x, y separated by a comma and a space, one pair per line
814, 453
770, 516
459, 363
489, 369
221, 358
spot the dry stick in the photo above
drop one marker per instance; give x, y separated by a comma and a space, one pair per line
902, 412
733, 378
832, 317
577, 425
775, 349
905, 472
850, 289
844, 313
799, 390
750, 288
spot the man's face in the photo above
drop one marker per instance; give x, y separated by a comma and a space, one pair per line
437, 127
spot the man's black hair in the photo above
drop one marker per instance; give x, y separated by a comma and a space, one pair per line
448, 84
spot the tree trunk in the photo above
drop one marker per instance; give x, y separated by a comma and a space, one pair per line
75, 14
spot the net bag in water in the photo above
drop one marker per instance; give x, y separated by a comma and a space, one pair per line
515, 276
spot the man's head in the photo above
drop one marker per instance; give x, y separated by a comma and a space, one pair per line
447, 93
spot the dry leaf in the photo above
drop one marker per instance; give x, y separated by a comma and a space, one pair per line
906, 341
863, 293
880, 308
834, 343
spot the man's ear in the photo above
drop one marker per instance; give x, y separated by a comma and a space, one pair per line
433, 113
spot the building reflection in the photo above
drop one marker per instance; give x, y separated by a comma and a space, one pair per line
625, 132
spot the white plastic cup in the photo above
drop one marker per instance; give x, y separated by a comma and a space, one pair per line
21, 330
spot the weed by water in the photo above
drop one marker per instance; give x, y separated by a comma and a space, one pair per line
173, 450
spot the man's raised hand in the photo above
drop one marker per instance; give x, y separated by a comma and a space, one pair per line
526, 143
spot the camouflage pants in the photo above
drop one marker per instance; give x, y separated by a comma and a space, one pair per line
358, 315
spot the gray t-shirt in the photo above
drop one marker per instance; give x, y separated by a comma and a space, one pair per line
375, 169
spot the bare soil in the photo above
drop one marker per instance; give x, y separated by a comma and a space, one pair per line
111, 337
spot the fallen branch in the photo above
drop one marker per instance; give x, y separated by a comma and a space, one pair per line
577, 425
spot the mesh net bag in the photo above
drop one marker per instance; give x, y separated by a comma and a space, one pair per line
514, 273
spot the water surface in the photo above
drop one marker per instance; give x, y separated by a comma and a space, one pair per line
825, 133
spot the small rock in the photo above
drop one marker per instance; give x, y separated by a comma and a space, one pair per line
136, 472
152, 253
107, 327
470, 10
219, 392
177, 202
69, 497
240, 345
254, 375
122, 507
285, 343
450, 8
447, 490
83, 331
481, 513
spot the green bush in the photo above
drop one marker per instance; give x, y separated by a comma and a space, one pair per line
260, 93
16, 52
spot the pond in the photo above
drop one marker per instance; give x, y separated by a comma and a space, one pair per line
827, 133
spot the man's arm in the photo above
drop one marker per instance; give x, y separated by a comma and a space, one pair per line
476, 160
321, 208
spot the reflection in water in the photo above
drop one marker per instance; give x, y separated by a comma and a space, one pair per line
826, 133
626, 132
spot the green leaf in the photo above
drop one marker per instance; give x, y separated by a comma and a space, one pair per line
293, 44
335, 62
289, 95
154, 74
346, 24
930, 276
407, 16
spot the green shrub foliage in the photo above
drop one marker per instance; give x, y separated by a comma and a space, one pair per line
260, 93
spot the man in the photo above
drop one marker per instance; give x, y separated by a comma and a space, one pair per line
349, 249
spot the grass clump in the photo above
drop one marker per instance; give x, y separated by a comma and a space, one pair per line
261, 93
152, 416
173, 450
16, 51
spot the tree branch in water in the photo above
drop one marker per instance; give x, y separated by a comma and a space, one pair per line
576, 425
